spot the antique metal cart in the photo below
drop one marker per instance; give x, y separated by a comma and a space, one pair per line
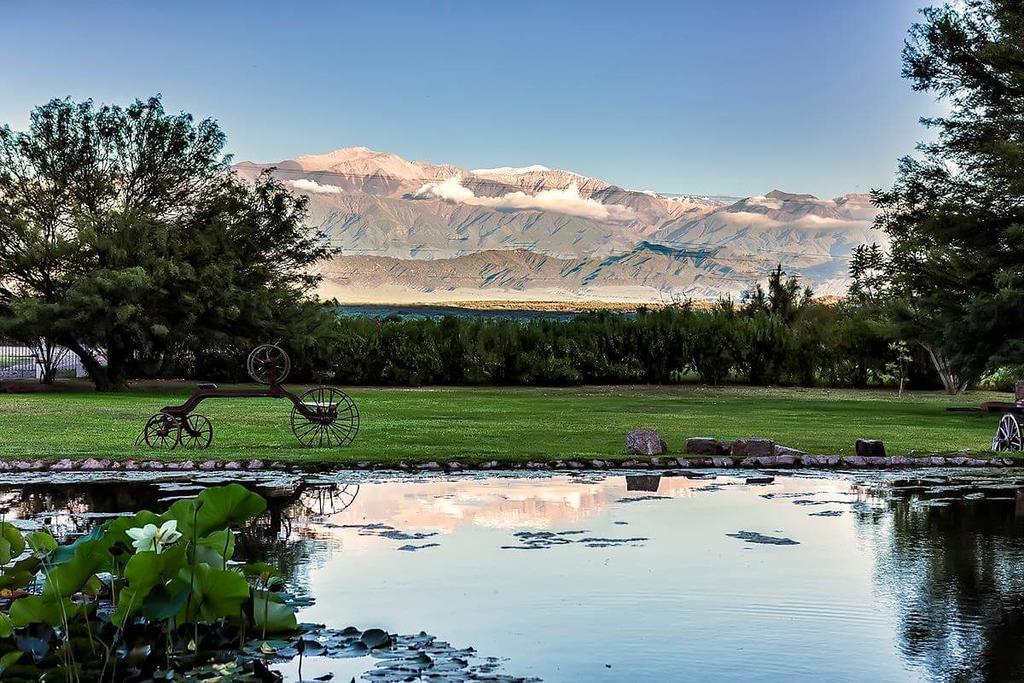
321, 417
1008, 436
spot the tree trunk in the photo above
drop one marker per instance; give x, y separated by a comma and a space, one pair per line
99, 374
950, 382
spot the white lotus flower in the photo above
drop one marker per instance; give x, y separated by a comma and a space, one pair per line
150, 538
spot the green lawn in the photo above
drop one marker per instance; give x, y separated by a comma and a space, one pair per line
502, 423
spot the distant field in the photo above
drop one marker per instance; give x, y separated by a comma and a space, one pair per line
510, 424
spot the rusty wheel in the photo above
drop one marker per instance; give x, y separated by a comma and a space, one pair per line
196, 432
268, 364
1008, 435
331, 419
161, 432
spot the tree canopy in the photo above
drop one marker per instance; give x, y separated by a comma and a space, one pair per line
955, 216
125, 236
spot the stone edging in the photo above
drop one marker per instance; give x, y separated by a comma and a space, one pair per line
654, 462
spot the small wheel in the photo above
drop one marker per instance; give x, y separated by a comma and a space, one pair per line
162, 432
196, 432
1008, 435
268, 364
330, 419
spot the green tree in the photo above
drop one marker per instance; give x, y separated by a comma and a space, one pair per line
124, 236
955, 217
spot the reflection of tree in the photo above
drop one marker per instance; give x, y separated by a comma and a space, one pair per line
956, 576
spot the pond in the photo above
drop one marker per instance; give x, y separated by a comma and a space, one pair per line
608, 577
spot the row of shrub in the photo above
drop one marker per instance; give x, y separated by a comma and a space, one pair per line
820, 345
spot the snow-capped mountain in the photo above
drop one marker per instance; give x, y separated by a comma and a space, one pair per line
536, 229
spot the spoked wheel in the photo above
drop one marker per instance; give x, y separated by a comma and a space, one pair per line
329, 419
196, 432
1008, 436
268, 364
161, 432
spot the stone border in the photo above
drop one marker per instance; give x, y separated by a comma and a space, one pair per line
803, 461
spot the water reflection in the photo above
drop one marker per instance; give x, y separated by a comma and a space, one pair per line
641, 577
955, 576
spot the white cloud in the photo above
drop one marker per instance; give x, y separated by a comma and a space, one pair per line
568, 200
313, 187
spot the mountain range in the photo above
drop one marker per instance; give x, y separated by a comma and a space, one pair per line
432, 233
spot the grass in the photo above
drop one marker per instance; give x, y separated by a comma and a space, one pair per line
505, 424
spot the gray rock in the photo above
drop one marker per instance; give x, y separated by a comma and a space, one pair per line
705, 445
232, 465
62, 465
94, 464
786, 460
489, 465
753, 448
870, 448
645, 442
810, 461
131, 465
254, 464
937, 461
766, 461
877, 461
153, 465
208, 465
575, 465
854, 461
723, 462
429, 467
599, 464
902, 461
958, 461
455, 466
748, 462
786, 450
630, 463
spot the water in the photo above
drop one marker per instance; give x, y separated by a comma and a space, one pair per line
600, 578
439, 311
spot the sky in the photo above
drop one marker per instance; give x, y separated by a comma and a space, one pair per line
725, 97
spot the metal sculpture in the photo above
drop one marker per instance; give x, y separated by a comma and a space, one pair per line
320, 417
1008, 436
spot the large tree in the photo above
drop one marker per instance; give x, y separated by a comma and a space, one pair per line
954, 217
125, 237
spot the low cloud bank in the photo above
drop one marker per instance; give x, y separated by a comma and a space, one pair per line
313, 187
568, 200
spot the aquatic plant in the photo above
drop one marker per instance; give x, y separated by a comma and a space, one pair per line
140, 597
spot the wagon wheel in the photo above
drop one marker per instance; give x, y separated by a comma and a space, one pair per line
161, 432
196, 432
332, 420
1008, 436
268, 364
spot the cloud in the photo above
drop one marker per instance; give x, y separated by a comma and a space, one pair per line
313, 187
567, 201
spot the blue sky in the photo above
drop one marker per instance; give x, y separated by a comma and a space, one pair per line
715, 96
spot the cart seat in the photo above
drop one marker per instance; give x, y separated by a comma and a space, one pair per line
205, 386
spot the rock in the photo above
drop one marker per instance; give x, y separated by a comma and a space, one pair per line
630, 463
829, 460
232, 465
810, 461
753, 448
766, 460
876, 461
186, 465
786, 450
131, 465
489, 465
94, 464
153, 465
62, 465
705, 445
455, 466
748, 462
255, 464
575, 465
958, 461
599, 464
854, 461
978, 462
870, 448
429, 467
786, 460
645, 442
766, 479
901, 461
723, 462
208, 465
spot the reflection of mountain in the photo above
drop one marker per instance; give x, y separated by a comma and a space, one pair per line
956, 576
375, 204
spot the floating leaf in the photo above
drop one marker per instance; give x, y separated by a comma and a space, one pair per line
374, 638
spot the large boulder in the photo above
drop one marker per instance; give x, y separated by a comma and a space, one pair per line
870, 448
645, 442
753, 448
705, 445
